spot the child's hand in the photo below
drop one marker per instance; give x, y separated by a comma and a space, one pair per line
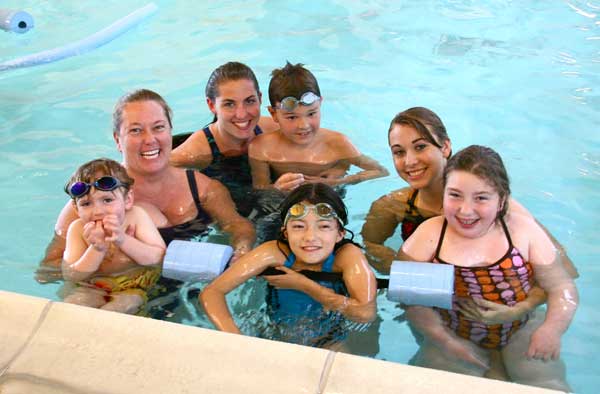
544, 344
289, 181
113, 229
94, 234
290, 280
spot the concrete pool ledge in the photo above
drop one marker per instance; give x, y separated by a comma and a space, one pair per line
53, 347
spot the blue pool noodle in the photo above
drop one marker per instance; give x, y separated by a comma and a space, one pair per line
94, 41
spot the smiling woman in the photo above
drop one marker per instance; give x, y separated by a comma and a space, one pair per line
181, 203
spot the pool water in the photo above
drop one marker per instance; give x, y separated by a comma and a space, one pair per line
522, 77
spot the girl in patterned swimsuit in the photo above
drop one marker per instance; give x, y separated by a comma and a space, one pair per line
497, 255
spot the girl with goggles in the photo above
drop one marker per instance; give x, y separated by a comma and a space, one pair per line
312, 238
113, 250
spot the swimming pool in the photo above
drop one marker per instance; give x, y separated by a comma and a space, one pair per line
522, 78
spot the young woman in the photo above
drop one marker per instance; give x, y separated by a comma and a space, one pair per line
497, 255
312, 238
220, 149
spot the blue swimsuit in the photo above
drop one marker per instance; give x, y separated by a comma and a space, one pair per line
299, 318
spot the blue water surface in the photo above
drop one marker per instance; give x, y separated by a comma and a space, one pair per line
522, 77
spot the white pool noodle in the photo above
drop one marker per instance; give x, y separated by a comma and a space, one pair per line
91, 42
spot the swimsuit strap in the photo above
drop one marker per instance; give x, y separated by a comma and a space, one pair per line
510, 244
214, 149
411, 201
291, 259
193, 186
257, 130
328, 264
440, 241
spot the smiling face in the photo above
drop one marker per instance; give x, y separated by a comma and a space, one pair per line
144, 137
301, 125
312, 238
237, 108
417, 161
471, 204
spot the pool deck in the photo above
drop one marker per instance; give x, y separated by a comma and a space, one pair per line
53, 347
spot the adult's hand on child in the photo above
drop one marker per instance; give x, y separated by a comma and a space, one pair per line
290, 280
114, 230
544, 344
289, 181
488, 312
93, 234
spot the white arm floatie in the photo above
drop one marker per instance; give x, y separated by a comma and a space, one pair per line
418, 283
16, 21
189, 261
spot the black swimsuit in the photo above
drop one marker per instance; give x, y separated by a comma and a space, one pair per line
195, 228
412, 217
232, 171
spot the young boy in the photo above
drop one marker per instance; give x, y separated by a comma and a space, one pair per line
301, 151
113, 250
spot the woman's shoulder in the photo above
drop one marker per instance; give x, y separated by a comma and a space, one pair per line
196, 143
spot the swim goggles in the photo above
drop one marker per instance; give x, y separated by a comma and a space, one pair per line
300, 210
105, 184
290, 103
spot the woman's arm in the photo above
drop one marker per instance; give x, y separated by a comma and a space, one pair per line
381, 222
218, 204
55, 249
251, 264
193, 153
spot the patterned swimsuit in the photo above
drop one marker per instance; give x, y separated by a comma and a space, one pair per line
506, 281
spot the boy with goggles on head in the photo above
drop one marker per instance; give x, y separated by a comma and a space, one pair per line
301, 151
302, 310
113, 250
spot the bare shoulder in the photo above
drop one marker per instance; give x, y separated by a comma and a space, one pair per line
67, 215
339, 142
262, 144
422, 243
267, 124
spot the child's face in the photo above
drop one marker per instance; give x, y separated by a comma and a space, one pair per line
471, 204
312, 237
144, 137
417, 161
98, 204
300, 125
237, 108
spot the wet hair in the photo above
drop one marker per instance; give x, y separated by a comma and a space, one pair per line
425, 122
291, 80
92, 170
231, 71
137, 96
316, 193
486, 164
